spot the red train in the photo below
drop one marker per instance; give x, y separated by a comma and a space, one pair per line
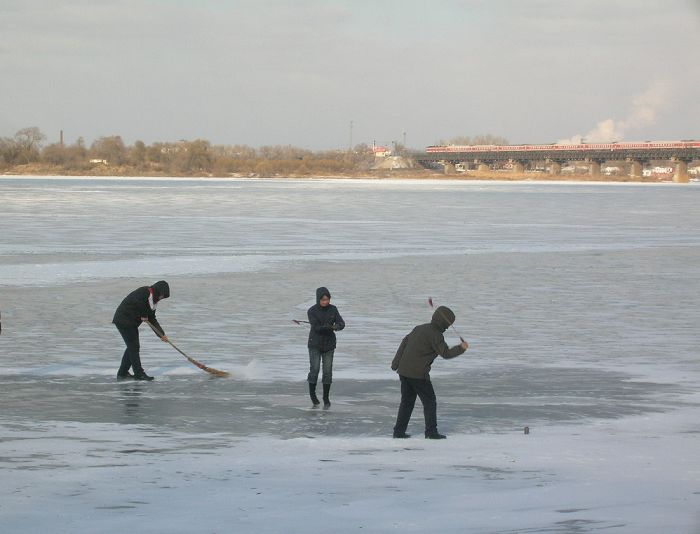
579, 147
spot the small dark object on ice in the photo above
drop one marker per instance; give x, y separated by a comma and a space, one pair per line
527, 430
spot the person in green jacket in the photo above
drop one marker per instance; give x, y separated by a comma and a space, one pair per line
413, 361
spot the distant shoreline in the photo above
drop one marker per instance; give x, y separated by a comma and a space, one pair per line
396, 178
36, 171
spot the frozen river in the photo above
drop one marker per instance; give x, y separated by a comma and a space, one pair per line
580, 303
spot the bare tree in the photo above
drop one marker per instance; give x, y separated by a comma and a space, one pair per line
137, 153
483, 139
8, 151
55, 154
488, 139
27, 144
70, 157
30, 139
110, 148
194, 156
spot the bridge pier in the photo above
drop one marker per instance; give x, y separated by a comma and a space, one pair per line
594, 170
518, 167
450, 168
636, 169
554, 168
680, 176
483, 167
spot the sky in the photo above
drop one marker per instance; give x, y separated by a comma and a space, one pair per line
324, 74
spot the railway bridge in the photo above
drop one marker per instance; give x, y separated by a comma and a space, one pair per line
551, 157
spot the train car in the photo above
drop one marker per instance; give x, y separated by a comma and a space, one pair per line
612, 147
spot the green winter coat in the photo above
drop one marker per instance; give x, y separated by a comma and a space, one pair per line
425, 343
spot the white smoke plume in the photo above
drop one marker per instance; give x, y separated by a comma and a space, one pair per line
645, 108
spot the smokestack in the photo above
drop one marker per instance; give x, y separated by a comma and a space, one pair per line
61, 139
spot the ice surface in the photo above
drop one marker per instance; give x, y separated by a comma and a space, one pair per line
579, 302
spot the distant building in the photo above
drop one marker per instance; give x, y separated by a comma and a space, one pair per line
381, 151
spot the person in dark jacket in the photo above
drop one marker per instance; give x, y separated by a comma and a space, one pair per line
325, 321
137, 307
412, 362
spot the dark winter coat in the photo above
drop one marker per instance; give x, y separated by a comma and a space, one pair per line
141, 303
324, 323
425, 343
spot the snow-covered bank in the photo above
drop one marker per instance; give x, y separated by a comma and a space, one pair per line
394, 179
638, 475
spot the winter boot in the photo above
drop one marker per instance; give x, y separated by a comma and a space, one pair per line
401, 436
326, 400
142, 376
125, 376
434, 435
312, 394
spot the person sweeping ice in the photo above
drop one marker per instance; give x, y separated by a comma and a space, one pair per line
137, 307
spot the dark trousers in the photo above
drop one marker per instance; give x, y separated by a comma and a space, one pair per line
410, 389
315, 359
131, 357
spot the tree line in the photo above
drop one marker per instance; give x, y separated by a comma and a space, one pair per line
26, 151
198, 157
465, 140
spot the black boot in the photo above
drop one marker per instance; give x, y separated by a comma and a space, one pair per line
142, 376
312, 394
124, 376
326, 400
401, 435
434, 435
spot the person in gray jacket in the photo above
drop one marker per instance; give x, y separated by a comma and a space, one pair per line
412, 362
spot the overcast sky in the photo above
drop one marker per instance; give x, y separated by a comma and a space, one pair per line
268, 72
